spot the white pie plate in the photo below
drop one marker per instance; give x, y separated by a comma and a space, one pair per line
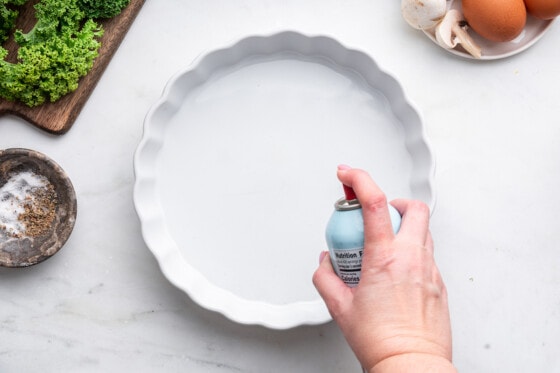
236, 170
533, 31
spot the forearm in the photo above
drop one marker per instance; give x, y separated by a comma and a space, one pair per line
414, 363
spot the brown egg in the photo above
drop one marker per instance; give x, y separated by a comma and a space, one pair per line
543, 9
496, 20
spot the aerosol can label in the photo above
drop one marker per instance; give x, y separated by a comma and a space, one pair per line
348, 265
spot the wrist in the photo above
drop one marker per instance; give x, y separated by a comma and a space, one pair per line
413, 363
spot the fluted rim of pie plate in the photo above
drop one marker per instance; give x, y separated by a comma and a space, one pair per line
174, 266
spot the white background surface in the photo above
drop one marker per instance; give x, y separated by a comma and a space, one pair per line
102, 304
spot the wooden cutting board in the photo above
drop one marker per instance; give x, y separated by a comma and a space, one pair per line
58, 117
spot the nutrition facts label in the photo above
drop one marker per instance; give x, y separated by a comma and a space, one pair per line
348, 265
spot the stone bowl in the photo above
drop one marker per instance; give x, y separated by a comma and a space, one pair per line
37, 207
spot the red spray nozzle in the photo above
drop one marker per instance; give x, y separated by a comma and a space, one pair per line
349, 193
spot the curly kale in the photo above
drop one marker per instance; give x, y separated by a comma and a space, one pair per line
53, 56
53, 17
102, 8
8, 17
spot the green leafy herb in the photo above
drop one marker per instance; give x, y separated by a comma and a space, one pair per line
8, 17
59, 50
102, 8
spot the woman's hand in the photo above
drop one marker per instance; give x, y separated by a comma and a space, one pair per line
398, 315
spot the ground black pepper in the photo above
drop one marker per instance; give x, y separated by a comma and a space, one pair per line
39, 211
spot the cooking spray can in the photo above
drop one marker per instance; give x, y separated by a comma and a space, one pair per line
345, 236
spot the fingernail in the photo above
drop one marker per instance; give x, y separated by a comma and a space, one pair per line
322, 256
343, 167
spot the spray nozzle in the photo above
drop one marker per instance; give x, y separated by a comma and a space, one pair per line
349, 193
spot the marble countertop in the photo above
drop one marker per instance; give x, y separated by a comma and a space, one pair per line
102, 304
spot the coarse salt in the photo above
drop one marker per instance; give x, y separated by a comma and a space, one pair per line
14, 195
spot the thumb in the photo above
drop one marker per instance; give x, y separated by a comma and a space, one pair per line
335, 293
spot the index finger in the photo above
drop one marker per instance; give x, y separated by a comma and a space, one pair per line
375, 211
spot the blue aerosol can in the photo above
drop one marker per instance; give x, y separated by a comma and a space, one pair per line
345, 236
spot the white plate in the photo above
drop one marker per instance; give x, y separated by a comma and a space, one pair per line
236, 171
533, 31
